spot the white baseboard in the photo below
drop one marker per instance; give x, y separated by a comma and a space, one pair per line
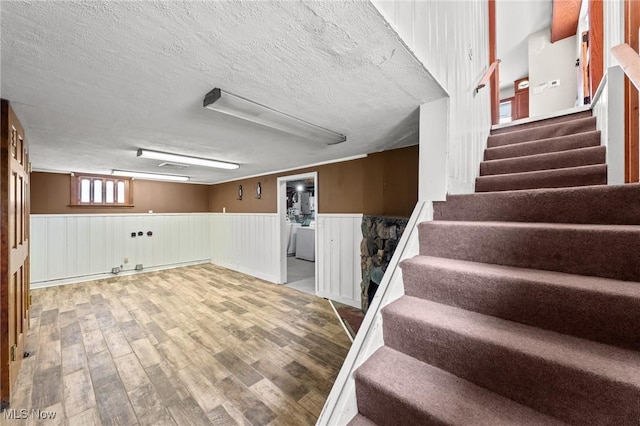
94, 277
343, 300
258, 274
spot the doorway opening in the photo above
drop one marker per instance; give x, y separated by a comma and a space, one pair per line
297, 212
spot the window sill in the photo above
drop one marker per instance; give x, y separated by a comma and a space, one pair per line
108, 206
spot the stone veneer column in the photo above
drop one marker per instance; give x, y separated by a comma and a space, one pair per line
380, 239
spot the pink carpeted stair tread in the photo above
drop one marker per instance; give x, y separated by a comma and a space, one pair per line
360, 420
556, 178
575, 380
600, 309
396, 389
542, 146
607, 251
525, 298
514, 127
553, 160
600, 204
581, 125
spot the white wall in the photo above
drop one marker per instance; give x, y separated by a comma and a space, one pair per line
551, 61
451, 39
338, 261
507, 92
70, 248
433, 171
246, 243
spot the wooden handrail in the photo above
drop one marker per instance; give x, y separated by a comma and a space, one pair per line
487, 75
629, 61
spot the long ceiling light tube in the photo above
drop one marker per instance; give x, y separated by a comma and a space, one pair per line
185, 159
153, 176
237, 106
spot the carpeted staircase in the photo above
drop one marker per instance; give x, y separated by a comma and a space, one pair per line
523, 307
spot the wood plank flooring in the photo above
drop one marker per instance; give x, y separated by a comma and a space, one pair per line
200, 345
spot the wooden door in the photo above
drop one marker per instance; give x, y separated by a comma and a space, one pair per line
14, 281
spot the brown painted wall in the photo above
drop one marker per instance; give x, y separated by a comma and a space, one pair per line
383, 183
50, 194
400, 186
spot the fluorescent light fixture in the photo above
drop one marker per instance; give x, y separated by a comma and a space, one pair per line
185, 159
240, 107
154, 176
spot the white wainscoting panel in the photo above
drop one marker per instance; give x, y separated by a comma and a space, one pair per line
451, 39
246, 243
65, 248
338, 257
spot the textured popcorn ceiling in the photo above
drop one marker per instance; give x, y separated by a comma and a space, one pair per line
94, 81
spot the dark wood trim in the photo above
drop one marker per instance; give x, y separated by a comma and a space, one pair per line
632, 168
495, 78
596, 43
95, 206
5, 397
564, 20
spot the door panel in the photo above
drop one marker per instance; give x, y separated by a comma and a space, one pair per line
14, 279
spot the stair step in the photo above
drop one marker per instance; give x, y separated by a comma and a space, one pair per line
580, 125
555, 178
553, 160
575, 380
607, 251
395, 389
599, 309
600, 204
360, 420
539, 123
543, 146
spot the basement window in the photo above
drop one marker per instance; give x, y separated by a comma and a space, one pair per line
103, 191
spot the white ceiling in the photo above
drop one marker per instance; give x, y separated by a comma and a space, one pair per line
515, 21
94, 81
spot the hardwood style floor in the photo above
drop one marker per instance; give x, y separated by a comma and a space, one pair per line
198, 345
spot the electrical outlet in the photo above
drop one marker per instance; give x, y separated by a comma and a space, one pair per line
126, 260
